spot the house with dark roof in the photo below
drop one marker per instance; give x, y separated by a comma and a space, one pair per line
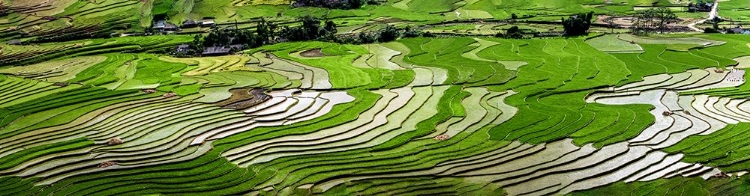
700, 7
164, 26
189, 24
171, 27
160, 24
14, 42
207, 23
221, 50
739, 30
182, 49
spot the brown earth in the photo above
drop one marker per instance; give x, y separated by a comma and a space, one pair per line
317, 52
625, 22
244, 98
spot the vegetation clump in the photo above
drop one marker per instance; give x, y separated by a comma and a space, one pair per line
578, 24
511, 33
653, 20
334, 4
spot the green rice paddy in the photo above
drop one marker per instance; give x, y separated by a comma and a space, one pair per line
605, 114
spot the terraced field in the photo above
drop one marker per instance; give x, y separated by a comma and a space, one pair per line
614, 114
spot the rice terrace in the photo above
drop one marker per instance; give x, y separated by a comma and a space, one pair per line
374, 97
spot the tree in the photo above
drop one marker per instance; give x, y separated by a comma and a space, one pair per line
390, 33
715, 22
611, 22
664, 16
266, 32
330, 27
710, 30
513, 33
329, 30
354, 4
310, 28
366, 37
197, 44
652, 19
513, 18
578, 24
411, 32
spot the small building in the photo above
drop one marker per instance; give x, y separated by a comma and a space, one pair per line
221, 50
700, 7
207, 23
182, 49
189, 24
163, 26
171, 27
736, 30
739, 30
159, 25
14, 42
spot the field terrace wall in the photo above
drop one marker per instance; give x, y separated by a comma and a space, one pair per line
445, 116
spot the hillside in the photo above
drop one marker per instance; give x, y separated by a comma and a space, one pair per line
396, 97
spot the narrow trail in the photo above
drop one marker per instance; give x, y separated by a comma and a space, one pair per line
692, 25
714, 10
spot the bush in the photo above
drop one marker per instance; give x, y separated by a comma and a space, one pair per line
367, 37
390, 33
578, 24
226, 37
309, 30
710, 30
410, 32
335, 4
513, 33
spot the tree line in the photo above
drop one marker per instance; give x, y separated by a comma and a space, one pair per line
652, 20
333, 4
308, 28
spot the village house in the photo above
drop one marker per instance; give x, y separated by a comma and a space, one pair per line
739, 30
189, 24
164, 26
14, 42
700, 7
221, 50
182, 49
207, 23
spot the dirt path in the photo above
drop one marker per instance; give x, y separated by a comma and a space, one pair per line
714, 10
692, 25
714, 13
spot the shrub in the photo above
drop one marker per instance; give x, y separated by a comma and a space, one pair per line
578, 24
367, 37
411, 32
710, 30
390, 33
513, 33
309, 30
335, 4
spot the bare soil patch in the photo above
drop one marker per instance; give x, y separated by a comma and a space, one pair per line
626, 22
244, 98
317, 52
106, 164
114, 141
